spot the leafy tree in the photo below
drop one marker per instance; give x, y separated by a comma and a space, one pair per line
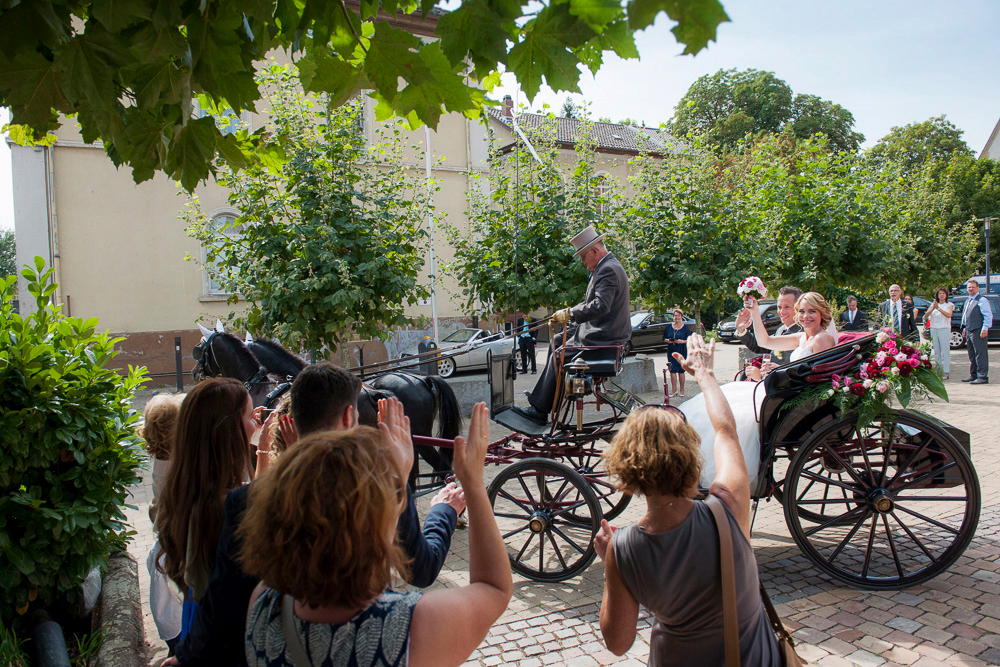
911, 146
689, 244
813, 115
569, 109
8, 253
730, 104
70, 451
521, 223
129, 69
333, 244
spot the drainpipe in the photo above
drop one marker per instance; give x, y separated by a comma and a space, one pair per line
430, 222
51, 218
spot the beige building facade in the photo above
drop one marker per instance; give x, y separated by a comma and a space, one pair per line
121, 253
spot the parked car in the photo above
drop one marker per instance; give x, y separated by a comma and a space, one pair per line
957, 337
647, 330
726, 329
962, 290
478, 341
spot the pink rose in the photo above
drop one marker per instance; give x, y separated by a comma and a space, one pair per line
882, 386
900, 358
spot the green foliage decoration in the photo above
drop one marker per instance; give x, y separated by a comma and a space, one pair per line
331, 245
12, 651
129, 70
69, 451
8, 253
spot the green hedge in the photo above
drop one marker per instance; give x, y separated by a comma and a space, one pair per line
69, 448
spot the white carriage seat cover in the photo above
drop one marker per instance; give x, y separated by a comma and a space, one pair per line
743, 401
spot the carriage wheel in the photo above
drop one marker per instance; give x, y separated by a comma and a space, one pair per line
901, 494
446, 367
548, 515
590, 464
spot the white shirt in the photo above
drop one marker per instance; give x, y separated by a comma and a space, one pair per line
939, 320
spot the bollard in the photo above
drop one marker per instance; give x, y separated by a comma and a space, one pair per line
48, 640
180, 365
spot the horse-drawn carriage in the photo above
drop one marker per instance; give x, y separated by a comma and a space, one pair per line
883, 505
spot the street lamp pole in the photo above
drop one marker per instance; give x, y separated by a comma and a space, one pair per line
986, 222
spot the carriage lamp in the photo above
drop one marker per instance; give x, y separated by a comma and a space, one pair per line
579, 385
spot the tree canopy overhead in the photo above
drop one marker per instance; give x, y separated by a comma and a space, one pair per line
129, 69
911, 146
726, 106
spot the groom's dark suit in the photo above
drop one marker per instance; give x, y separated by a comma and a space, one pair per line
780, 358
860, 322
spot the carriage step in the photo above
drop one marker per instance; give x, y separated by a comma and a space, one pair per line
516, 422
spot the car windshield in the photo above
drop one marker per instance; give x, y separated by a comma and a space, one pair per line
462, 336
638, 318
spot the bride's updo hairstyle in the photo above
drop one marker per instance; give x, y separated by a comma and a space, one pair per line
655, 452
816, 300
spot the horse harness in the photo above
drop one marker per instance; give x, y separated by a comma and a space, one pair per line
205, 359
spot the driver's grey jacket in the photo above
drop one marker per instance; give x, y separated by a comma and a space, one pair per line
603, 316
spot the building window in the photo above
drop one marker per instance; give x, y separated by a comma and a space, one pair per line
221, 227
227, 121
602, 192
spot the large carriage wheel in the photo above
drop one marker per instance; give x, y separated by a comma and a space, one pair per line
548, 515
590, 464
901, 496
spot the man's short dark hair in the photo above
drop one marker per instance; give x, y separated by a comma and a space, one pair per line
852, 298
788, 289
320, 394
972, 280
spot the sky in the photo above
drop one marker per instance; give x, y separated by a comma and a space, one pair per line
889, 62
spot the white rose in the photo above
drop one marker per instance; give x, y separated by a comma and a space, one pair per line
881, 337
867, 383
895, 370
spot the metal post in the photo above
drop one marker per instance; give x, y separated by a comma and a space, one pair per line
430, 221
180, 365
988, 221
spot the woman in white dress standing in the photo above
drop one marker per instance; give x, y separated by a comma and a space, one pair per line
814, 315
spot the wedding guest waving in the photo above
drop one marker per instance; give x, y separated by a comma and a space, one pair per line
319, 532
669, 560
676, 333
940, 314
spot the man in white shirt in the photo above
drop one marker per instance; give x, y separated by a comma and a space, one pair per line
977, 318
853, 319
898, 314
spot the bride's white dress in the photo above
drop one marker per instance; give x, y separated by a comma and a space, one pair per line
744, 399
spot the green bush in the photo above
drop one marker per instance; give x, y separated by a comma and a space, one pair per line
68, 452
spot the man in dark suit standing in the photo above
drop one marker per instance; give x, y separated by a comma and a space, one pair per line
898, 314
853, 319
787, 296
601, 319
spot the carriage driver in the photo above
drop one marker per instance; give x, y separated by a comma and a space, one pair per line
602, 318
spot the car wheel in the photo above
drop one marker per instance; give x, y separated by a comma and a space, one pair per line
957, 340
626, 348
446, 367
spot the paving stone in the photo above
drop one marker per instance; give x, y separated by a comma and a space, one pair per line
907, 599
865, 658
904, 624
966, 646
901, 655
963, 630
934, 635
837, 646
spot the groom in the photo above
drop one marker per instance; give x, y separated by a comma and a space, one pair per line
787, 296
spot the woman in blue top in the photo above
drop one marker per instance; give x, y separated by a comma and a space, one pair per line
676, 333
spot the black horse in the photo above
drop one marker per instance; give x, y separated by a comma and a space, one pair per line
223, 354
423, 399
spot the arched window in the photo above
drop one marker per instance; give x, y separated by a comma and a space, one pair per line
221, 226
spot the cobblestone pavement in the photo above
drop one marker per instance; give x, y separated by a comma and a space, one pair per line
951, 620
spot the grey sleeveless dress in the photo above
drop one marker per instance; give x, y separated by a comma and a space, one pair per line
676, 576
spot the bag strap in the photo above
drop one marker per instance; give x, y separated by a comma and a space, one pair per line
729, 617
293, 644
772, 615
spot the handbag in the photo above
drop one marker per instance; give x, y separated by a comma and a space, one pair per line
786, 645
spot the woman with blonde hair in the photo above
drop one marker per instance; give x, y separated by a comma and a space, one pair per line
319, 531
669, 560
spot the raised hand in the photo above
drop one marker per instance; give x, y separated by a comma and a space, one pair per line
603, 538
743, 319
452, 495
289, 432
470, 455
700, 357
395, 428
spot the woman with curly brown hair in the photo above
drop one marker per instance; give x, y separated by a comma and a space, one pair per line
319, 531
669, 560
210, 457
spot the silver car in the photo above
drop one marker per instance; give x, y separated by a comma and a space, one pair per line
474, 343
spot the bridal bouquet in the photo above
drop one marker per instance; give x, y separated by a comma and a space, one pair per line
894, 369
752, 286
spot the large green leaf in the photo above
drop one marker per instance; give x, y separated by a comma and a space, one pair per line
542, 51
118, 14
33, 88
191, 151
697, 20
322, 71
478, 29
597, 13
392, 54
88, 64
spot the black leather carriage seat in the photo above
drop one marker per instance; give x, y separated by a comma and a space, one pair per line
820, 367
603, 361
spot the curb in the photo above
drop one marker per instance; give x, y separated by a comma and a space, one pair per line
119, 612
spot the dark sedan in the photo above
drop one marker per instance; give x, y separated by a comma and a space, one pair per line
647, 330
726, 329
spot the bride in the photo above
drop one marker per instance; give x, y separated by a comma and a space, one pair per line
745, 398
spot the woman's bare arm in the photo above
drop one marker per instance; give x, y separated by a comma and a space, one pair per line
732, 484
619, 610
763, 338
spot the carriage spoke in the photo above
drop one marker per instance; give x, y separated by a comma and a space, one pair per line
937, 471
868, 552
569, 508
848, 468
864, 455
843, 542
913, 457
568, 540
555, 548
806, 490
892, 546
541, 552
517, 502
914, 538
558, 495
929, 520
516, 531
527, 493
885, 458
826, 480
813, 531
525, 547
934, 498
